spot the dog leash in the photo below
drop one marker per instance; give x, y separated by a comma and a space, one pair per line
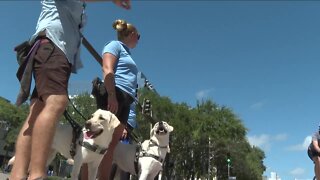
76, 128
76, 131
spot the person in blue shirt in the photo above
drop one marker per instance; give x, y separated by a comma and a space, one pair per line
56, 45
120, 80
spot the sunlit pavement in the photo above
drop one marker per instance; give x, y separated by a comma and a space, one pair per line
3, 176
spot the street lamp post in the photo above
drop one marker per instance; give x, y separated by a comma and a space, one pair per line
228, 171
228, 164
209, 164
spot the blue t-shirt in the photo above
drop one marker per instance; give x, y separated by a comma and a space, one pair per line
126, 69
132, 116
62, 22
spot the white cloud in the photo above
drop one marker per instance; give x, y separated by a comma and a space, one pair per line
302, 146
264, 141
281, 137
297, 171
257, 105
203, 93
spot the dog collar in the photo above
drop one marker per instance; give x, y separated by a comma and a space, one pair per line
156, 144
93, 147
145, 154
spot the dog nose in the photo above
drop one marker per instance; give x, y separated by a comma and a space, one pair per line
160, 123
87, 125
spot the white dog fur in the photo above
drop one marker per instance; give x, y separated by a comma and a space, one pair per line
101, 125
157, 146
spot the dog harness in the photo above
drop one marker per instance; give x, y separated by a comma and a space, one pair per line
153, 143
93, 147
142, 153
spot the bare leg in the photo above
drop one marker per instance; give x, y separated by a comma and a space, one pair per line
84, 172
23, 144
106, 163
316, 161
43, 132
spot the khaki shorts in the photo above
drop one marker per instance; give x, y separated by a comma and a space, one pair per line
51, 71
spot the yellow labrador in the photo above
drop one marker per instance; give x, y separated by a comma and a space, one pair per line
147, 161
91, 145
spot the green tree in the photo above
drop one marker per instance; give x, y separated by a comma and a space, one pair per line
81, 107
12, 118
203, 136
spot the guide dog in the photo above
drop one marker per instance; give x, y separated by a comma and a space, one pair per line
91, 145
146, 159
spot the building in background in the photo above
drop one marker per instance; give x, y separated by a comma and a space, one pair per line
274, 176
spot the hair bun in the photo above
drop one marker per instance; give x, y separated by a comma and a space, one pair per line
119, 25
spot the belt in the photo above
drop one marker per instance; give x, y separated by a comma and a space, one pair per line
44, 41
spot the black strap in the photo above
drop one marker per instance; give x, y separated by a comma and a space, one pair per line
136, 159
76, 131
93, 147
77, 110
90, 48
145, 154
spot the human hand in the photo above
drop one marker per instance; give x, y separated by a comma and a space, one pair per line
126, 4
112, 104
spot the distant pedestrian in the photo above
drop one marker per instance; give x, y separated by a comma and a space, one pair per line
314, 152
50, 170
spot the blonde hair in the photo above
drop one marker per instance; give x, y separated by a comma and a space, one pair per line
123, 28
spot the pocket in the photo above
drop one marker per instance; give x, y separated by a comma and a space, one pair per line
44, 52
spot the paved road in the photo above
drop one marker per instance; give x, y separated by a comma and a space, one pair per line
4, 176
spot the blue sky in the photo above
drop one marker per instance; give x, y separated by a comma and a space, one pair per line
260, 58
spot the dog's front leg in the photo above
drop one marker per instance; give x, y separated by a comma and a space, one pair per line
76, 170
93, 170
143, 175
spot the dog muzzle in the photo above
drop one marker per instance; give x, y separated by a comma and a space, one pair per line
91, 135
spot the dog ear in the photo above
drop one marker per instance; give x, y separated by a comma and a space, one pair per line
114, 121
170, 128
151, 132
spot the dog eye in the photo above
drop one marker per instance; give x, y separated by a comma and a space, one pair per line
102, 118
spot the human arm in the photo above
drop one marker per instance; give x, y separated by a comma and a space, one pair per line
131, 124
315, 145
108, 65
126, 4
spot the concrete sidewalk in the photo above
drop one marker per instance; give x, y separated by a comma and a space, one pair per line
3, 176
